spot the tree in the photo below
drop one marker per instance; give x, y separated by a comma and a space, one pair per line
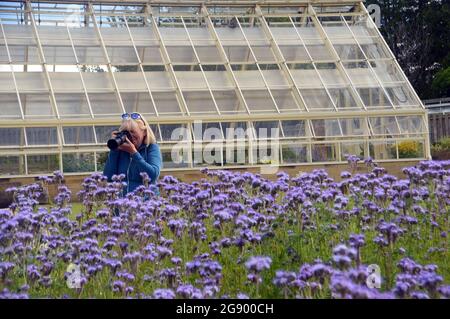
418, 33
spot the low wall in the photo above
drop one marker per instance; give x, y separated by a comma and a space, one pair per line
334, 170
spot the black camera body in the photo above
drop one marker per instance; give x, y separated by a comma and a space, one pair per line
120, 138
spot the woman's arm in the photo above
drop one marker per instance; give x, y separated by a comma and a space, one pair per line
153, 164
111, 167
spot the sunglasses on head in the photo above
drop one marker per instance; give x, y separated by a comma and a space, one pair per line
134, 116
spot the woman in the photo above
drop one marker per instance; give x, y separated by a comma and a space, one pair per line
140, 155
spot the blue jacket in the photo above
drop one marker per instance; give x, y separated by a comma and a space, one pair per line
147, 159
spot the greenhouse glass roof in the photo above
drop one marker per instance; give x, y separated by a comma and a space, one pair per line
317, 72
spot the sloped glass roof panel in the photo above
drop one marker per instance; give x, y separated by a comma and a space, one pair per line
10, 106
72, 105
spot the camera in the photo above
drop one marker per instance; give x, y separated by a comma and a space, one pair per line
120, 138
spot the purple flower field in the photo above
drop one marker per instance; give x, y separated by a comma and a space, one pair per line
233, 235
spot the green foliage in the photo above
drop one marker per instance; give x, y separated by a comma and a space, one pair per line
418, 33
441, 83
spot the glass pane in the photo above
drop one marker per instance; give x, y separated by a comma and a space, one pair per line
361, 26
234, 130
342, 98
88, 54
235, 155
374, 48
294, 128
59, 54
78, 162
207, 52
411, 149
387, 71
374, 97
175, 158
228, 102
324, 128
411, 124
166, 103
348, 50
42, 135
360, 74
104, 104
181, 54
259, 101
191, 79
267, 129
354, 127
305, 75
42, 164
238, 53
285, 100
149, 54
384, 125
324, 152
248, 76
352, 148
293, 53
78, 135
155, 129
174, 132
383, 150
72, 105
267, 154
101, 158
12, 165
122, 54
218, 79
318, 50
207, 131
200, 102
317, 99
12, 136
104, 132
129, 80
210, 155
36, 105
401, 96
330, 74
10, 106
138, 102
263, 52
294, 153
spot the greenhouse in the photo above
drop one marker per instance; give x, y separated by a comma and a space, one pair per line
318, 73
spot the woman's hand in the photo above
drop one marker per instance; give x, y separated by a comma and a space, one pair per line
128, 147
114, 133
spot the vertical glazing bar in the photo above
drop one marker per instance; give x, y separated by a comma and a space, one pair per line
257, 64
141, 68
222, 53
313, 63
200, 65
79, 73
281, 61
339, 63
166, 60
29, 12
106, 55
12, 70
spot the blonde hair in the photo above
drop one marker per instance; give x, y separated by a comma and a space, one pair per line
130, 124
